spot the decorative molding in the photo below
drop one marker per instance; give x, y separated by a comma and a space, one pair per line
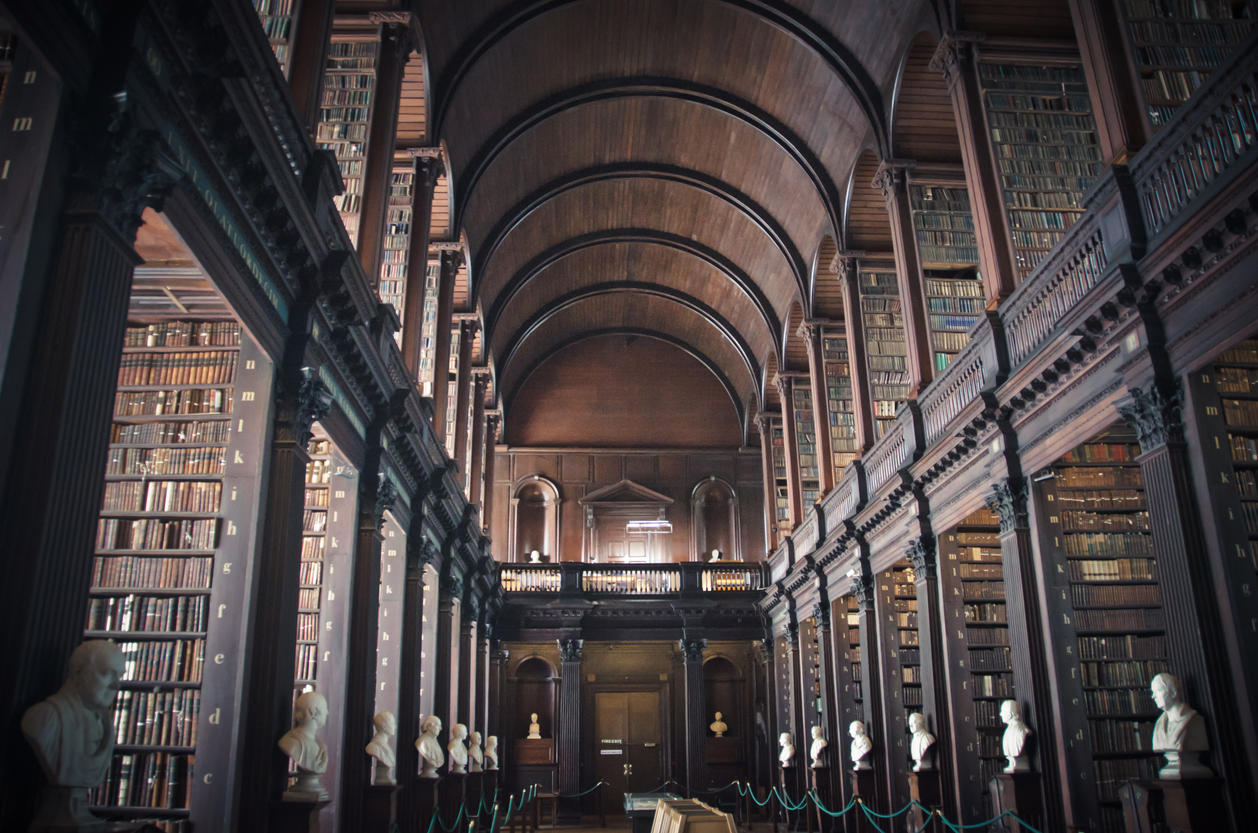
1156, 418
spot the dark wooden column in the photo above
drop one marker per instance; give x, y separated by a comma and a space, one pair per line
955, 58
418, 552
311, 36
480, 721
376, 495
1196, 647
785, 384
764, 424
463, 390
871, 678
395, 48
467, 667
922, 555
426, 170
497, 673
267, 712
480, 381
829, 694
893, 180
449, 608
569, 728
491, 457
1033, 675
795, 776
810, 332
893, 710
1112, 85
858, 365
696, 728
451, 257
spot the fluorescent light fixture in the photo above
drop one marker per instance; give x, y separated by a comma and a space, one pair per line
647, 527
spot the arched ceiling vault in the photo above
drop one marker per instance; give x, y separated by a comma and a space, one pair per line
656, 167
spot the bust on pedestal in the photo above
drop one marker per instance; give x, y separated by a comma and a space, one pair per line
787, 756
381, 750
1013, 741
301, 743
491, 753
72, 735
1180, 733
861, 746
818, 749
475, 756
921, 745
718, 726
430, 754
535, 728
457, 749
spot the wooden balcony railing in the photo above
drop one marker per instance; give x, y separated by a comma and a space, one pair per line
630, 579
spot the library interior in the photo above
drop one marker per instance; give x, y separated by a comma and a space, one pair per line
418, 413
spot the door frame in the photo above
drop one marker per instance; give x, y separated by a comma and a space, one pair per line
664, 688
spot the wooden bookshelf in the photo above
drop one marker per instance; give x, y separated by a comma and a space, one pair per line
452, 389
428, 338
805, 443
1177, 44
854, 701
314, 528
955, 303
909, 656
1099, 519
943, 225
972, 577
886, 348
156, 547
841, 412
781, 494
1047, 156
397, 242
345, 117
277, 17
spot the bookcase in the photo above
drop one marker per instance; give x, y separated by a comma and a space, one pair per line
811, 697
1176, 45
1044, 140
886, 348
310, 592
805, 442
1098, 523
397, 242
344, 118
977, 644
840, 412
781, 495
943, 225
157, 542
908, 658
389, 615
452, 388
277, 18
851, 704
428, 335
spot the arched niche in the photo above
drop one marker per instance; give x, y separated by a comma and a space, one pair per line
723, 692
535, 692
714, 523
535, 519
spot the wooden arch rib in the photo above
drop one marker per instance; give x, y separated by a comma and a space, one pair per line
781, 15
718, 188
827, 291
794, 352
646, 86
712, 257
508, 396
636, 288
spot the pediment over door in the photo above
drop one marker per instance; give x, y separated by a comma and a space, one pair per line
615, 517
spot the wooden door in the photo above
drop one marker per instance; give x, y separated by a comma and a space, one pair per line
627, 730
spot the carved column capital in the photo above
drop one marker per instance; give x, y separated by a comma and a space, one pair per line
862, 587
952, 54
1008, 501
427, 166
455, 587
386, 496
1156, 418
764, 423
783, 383
821, 614
921, 554
692, 649
314, 401
890, 178
810, 331
570, 649
141, 173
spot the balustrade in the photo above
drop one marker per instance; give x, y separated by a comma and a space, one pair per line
630, 579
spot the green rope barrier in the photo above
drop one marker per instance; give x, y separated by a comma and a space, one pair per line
719, 790
432, 821
823, 808
758, 802
787, 805
899, 812
587, 792
869, 816
453, 825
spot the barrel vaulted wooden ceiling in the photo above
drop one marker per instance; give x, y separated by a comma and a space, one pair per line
675, 168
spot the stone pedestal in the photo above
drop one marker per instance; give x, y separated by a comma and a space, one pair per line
925, 789
296, 815
1192, 806
380, 808
1020, 794
425, 794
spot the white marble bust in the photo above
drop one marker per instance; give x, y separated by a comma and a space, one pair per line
72, 734
861, 746
718, 726
535, 728
491, 753
301, 743
1180, 732
922, 743
475, 755
818, 749
380, 748
431, 756
458, 749
787, 756
1013, 741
